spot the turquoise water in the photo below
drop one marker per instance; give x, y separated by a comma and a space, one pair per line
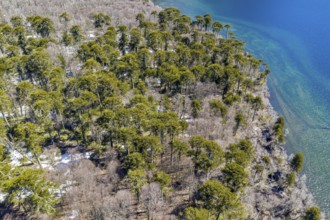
292, 37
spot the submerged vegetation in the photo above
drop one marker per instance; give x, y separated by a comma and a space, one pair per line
162, 115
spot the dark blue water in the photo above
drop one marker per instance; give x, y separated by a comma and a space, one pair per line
293, 37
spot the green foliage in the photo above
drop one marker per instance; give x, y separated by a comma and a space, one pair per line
192, 213
17, 21
240, 121
279, 129
180, 147
242, 153
196, 107
65, 17
297, 162
76, 33
41, 25
100, 20
28, 188
135, 40
291, 179
258, 168
206, 155
217, 107
163, 179
29, 134
312, 213
137, 178
134, 161
123, 40
256, 105
67, 39
150, 146
266, 160
235, 176
38, 65
218, 198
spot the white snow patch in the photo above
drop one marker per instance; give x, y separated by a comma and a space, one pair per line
74, 214
3, 197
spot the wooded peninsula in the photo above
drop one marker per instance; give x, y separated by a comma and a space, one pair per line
123, 110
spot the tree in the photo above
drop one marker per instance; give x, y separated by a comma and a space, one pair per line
37, 66
235, 176
196, 106
76, 33
217, 107
135, 40
218, 198
200, 21
179, 147
29, 189
297, 162
154, 40
169, 75
65, 18
256, 105
100, 20
216, 27
137, 178
67, 39
166, 38
207, 21
192, 213
41, 25
242, 153
164, 180
17, 21
6, 105
207, 155
227, 26
151, 199
24, 90
154, 14
187, 78
123, 40
134, 161
291, 179
312, 213
144, 57
279, 129
215, 72
29, 135
150, 146
140, 18
240, 121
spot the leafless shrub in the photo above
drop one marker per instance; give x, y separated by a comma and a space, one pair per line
123, 203
80, 10
151, 199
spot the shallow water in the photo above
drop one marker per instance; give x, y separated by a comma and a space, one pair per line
292, 37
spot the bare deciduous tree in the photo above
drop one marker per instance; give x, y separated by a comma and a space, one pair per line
151, 199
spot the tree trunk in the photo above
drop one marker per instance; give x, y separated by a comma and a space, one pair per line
218, 215
37, 158
254, 114
3, 115
172, 154
238, 85
111, 140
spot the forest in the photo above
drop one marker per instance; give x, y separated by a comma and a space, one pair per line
163, 119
